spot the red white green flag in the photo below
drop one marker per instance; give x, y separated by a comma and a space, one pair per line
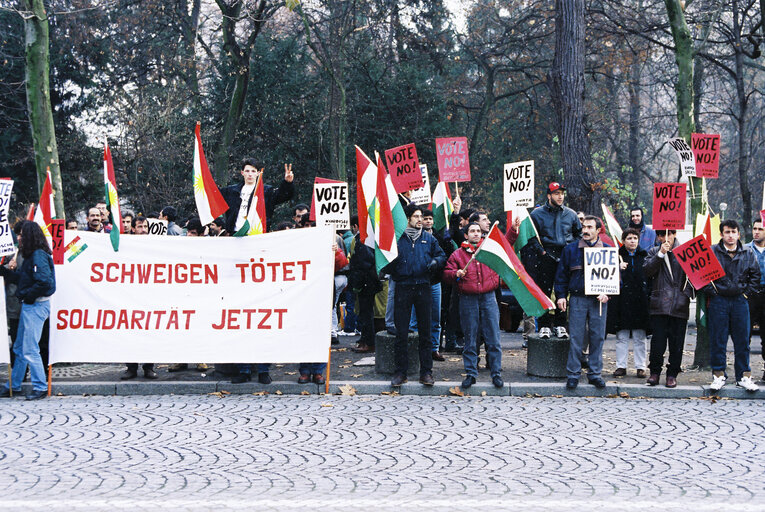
112, 200
442, 206
255, 222
612, 225
496, 253
210, 202
526, 231
46, 211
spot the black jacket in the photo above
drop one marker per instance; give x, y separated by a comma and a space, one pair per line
362, 272
35, 278
742, 272
670, 293
272, 195
629, 309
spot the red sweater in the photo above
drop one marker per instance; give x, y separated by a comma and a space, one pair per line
478, 278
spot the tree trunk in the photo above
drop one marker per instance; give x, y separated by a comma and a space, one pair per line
567, 88
743, 104
634, 123
38, 99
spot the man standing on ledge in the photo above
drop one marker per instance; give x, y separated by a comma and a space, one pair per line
569, 281
419, 257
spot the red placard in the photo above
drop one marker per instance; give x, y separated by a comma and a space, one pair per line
453, 161
762, 216
312, 216
669, 205
706, 152
57, 227
404, 168
698, 261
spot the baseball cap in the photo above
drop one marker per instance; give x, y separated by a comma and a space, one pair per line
553, 186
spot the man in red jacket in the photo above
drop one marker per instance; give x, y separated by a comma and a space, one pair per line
478, 307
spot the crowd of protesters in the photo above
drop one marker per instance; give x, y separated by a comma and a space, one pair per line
436, 288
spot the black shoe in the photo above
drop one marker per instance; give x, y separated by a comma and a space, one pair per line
597, 382
572, 383
398, 379
150, 374
264, 378
438, 357
128, 374
6, 393
427, 379
469, 381
334, 340
36, 395
241, 378
497, 381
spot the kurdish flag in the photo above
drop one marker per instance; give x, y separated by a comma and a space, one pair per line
612, 225
496, 253
210, 202
442, 206
526, 231
255, 222
112, 200
45, 209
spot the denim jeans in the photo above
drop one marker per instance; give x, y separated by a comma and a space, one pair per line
729, 316
390, 322
406, 296
351, 318
435, 317
246, 368
585, 316
308, 368
479, 314
27, 347
668, 332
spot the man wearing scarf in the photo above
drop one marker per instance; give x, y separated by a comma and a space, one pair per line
647, 235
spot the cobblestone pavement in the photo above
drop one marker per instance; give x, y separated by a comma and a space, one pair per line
380, 452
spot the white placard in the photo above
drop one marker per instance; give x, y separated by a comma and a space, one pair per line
252, 299
6, 237
685, 154
332, 205
518, 183
422, 195
5, 352
601, 270
157, 227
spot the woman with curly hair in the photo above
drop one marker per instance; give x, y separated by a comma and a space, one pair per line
36, 281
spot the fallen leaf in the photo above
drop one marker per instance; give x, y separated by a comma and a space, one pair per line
483, 393
343, 366
260, 393
454, 359
390, 393
305, 393
348, 361
347, 390
290, 373
325, 404
225, 392
278, 392
357, 375
339, 349
624, 394
219, 394
456, 391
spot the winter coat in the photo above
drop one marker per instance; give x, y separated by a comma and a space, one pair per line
629, 309
557, 226
478, 277
569, 278
670, 292
742, 272
272, 196
35, 278
414, 258
362, 273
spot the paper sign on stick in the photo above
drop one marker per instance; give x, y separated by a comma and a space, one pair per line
601, 270
312, 216
6, 238
698, 261
706, 150
685, 154
404, 168
669, 205
519, 185
453, 161
332, 208
422, 194
57, 227
157, 227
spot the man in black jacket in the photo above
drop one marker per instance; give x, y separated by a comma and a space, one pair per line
728, 311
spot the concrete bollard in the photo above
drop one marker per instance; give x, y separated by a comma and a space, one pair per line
385, 359
547, 358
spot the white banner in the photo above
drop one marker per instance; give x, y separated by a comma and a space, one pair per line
253, 299
5, 353
421, 195
6, 237
685, 154
601, 270
332, 205
518, 182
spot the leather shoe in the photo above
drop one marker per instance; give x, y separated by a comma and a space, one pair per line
264, 378
497, 381
597, 382
427, 380
572, 383
304, 378
653, 380
438, 357
640, 374
398, 379
620, 372
240, 378
671, 382
127, 375
364, 349
6, 393
37, 395
469, 381
318, 378
150, 374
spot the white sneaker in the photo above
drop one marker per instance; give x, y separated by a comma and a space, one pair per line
718, 382
748, 384
545, 333
560, 332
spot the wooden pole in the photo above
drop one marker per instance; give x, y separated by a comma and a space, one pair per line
50, 378
10, 382
329, 365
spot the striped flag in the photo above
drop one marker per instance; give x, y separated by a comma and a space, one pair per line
442, 206
496, 253
526, 231
612, 225
46, 210
709, 227
255, 222
210, 202
112, 200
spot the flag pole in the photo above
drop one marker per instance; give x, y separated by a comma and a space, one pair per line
50, 378
329, 365
10, 383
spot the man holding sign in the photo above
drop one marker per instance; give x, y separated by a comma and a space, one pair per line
570, 282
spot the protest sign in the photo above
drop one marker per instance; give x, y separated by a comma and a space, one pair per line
685, 154
404, 168
698, 261
57, 227
601, 270
706, 150
422, 195
312, 216
519, 185
453, 161
251, 299
762, 217
332, 205
5, 353
669, 205
6, 237
157, 227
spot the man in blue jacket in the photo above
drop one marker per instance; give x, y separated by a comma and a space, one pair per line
419, 257
757, 299
569, 282
647, 235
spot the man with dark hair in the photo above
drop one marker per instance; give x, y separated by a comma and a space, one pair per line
728, 311
569, 282
127, 222
194, 227
239, 197
94, 221
298, 211
482, 220
419, 257
637, 221
107, 226
217, 228
557, 226
169, 214
72, 224
141, 225
757, 299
